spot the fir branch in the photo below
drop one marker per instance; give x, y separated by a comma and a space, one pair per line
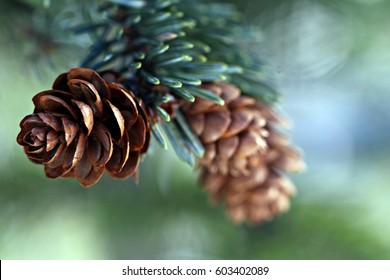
157, 30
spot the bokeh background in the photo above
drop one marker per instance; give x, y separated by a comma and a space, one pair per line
332, 59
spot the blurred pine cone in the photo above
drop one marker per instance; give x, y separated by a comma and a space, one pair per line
245, 154
231, 134
85, 125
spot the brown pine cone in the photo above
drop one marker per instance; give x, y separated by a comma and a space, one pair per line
85, 125
256, 191
231, 134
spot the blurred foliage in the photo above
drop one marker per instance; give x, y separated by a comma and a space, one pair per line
332, 59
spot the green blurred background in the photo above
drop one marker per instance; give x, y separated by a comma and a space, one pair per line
332, 59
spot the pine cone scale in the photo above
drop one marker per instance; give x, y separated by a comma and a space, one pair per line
86, 113
54, 102
70, 130
116, 162
119, 156
100, 146
228, 146
74, 152
54, 154
131, 165
250, 143
216, 124
228, 92
242, 101
86, 172
50, 120
114, 120
239, 121
85, 91
123, 100
39, 133
197, 122
86, 75
209, 153
139, 128
53, 168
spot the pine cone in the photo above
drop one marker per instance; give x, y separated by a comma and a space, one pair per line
85, 125
250, 184
231, 134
